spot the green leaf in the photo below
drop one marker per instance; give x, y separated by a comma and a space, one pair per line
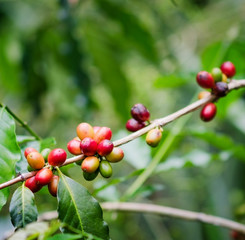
170, 81
84, 213
65, 237
9, 152
22, 207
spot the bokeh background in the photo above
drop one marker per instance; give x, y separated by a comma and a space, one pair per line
65, 62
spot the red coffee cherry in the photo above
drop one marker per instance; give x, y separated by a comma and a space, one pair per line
153, 137
88, 146
228, 69
90, 164
29, 150
53, 185
205, 79
140, 113
32, 184
133, 125
73, 147
57, 157
35, 160
208, 112
102, 133
116, 155
96, 129
220, 89
44, 176
85, 130
104, 147
203, 94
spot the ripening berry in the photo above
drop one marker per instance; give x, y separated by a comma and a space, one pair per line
73, 147
32, 184
35, 160
96, 129
140, 113
90, 164
116, 155
102, 133
53, 185
44, 176
203, 94
57, 157
104, 147
208, 112
85, 130
133, 125
224, 78
216, 74
90, 176
205, 79
88, 146
153, 137
220, 89
29, 150
45, 152
228, 69
105, 169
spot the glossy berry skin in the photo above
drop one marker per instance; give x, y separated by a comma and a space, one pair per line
105, 169
35, 160
140, 113
96, 129
203, 94
104, 147
85, 130
53, 185
116, 155
43, 176
220, 89
228, 69
205, 79
32, 184
153, 137
90, 176
57, 157
90, 164
216, 74
133, 125
102, 133
29, 150
45, 152
208, 112
88, 146
74, 147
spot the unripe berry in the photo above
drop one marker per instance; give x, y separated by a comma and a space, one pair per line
220, 89
116, 155
102, 133
140, 113
57, 157
133, 125
205, 79
32, 184
224, 78
90, 176
216, 74
208, 112
29, 150
104, 147
35, 160
45, 152
203, 94
85, 130
153, 137
88, 146
44, 176
90, 164
105, 169
53, 185
228, 69
74, 147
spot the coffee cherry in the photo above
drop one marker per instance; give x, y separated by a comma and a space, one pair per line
57, 157
53, 185
102, 133
220, 89
105, 169
44, 176
228, 69
208, 112
153, 137
224, 78
96, 129
90, 176
203, 94
140, 113
90, 164
85, 130
116, 155
104, 147
133, 125
45, 152
35, 160
216, 74
32, 184
88, 146
74, 147
29, 150
205, 79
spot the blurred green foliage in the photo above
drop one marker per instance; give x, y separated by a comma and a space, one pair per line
65, 62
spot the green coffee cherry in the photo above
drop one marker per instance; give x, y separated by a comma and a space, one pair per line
105, 169
45, 152
90, 176
216, 74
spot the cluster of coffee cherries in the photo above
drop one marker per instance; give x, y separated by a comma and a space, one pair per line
216, 81
141, 118
94, 143
44, 176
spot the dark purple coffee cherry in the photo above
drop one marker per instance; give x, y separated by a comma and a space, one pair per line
220, 89
133, 125
140, 113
